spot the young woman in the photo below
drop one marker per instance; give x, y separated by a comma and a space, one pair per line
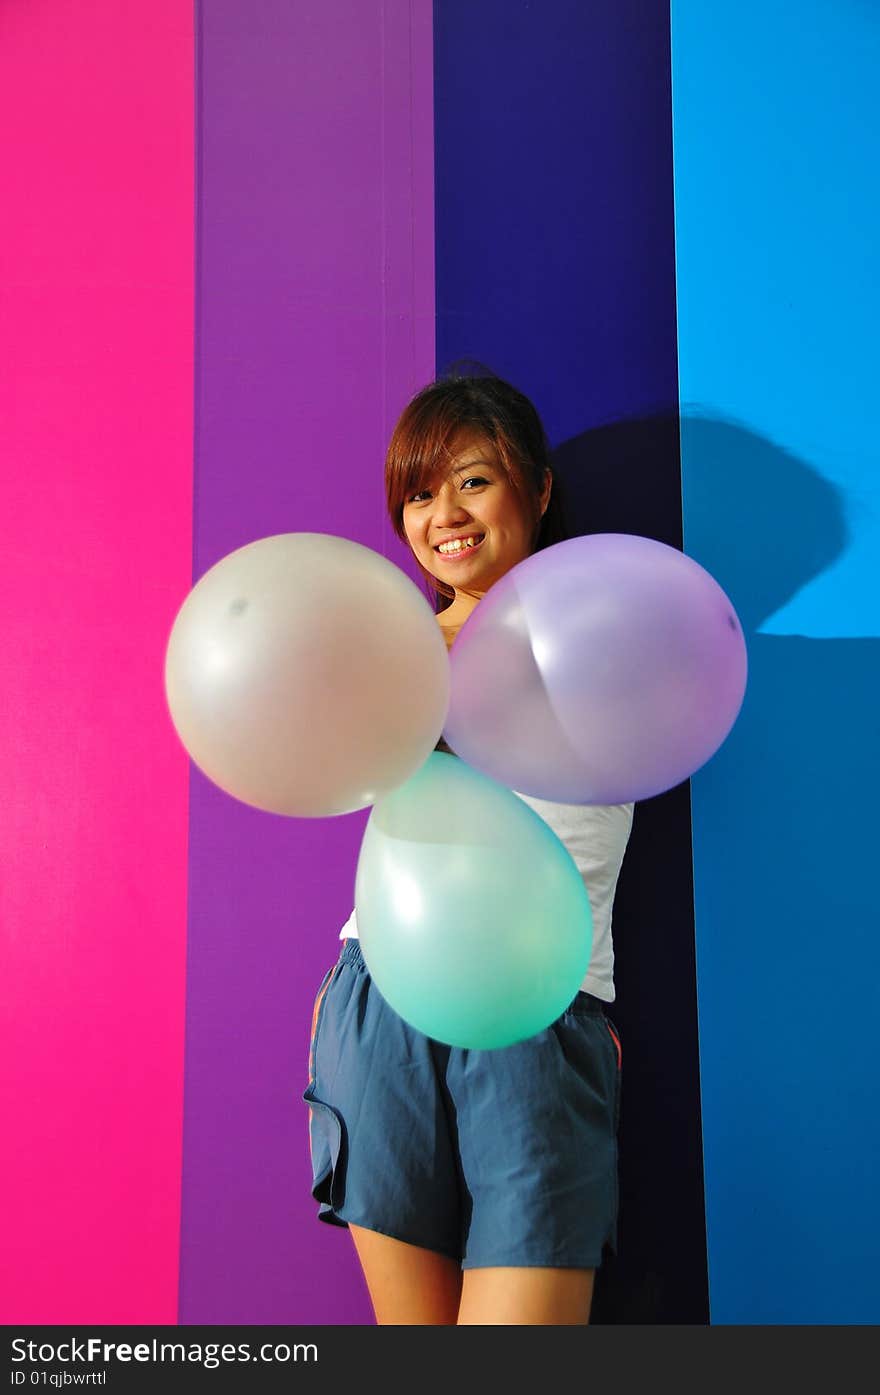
478, 1186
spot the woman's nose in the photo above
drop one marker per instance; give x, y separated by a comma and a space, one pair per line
449, 507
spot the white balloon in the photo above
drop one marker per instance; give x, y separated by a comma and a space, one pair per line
307, 675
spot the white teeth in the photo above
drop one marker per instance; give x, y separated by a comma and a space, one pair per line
457, 545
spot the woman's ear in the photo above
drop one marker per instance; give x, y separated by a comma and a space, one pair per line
546, 491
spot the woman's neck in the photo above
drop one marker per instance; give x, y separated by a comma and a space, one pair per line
454, 616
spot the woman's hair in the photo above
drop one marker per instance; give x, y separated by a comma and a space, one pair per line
425, 438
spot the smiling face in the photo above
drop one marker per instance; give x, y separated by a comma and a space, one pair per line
468, 525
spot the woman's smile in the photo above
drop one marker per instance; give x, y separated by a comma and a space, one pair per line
457, 549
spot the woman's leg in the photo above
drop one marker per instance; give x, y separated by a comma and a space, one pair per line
560, 1297
408, 1285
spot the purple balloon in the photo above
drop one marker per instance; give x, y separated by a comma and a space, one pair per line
601, 670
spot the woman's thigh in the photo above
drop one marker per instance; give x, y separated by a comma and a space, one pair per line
537, 1140
408, 1285
382, 1143
533, 1296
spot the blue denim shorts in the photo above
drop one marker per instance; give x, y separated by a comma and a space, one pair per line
503, 1157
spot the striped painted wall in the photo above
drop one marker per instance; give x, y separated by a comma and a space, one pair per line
238, 237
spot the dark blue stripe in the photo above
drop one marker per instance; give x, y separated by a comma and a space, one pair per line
556, 268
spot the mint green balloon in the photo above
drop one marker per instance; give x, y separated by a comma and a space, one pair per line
473, 918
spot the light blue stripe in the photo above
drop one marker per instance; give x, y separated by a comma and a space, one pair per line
777, 223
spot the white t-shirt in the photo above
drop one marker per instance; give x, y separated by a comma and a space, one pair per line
596, 835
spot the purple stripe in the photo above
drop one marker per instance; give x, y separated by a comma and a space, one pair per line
315, 324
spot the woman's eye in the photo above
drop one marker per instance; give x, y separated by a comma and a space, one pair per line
425, 493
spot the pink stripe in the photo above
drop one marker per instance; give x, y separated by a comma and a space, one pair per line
95, 536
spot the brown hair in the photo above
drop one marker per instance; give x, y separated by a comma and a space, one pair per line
424, 438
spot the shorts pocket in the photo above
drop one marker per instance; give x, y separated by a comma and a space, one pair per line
326, 1131
615, 1037
326, 1147
320, 996
618, 1054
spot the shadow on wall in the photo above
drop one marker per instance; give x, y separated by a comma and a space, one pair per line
763, 523
770, 522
